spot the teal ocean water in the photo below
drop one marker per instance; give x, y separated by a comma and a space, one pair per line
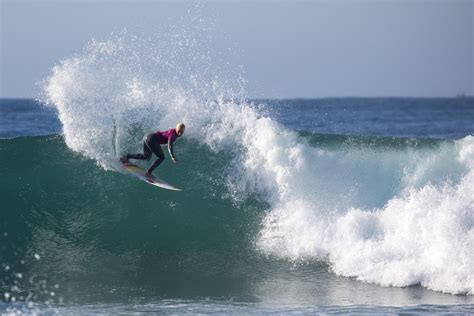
349, 205
78, 238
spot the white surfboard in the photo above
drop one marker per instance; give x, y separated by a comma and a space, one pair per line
140, 174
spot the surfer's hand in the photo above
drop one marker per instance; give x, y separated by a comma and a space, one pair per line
175, 160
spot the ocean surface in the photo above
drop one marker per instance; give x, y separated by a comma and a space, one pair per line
350, 205
336, 205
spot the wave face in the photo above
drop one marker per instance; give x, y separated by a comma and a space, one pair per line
67, 223
395, 212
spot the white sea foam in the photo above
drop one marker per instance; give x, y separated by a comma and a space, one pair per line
423, 233
389, 216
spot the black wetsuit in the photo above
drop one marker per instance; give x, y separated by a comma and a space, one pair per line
152, 144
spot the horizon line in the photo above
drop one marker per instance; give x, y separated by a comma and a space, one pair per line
460, 96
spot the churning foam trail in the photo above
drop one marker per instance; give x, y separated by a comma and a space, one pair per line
424, 234
393, 216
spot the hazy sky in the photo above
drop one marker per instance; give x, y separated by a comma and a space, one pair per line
287, 48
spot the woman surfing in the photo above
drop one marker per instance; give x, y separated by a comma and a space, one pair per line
152, 144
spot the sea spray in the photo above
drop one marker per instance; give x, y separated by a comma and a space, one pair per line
128, 83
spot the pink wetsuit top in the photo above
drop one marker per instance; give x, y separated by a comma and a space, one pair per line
165, 136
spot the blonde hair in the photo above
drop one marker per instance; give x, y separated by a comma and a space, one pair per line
180, 126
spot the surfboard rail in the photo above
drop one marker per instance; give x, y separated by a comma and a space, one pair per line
139, 172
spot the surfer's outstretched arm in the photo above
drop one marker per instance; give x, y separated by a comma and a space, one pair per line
172, 137
170, 150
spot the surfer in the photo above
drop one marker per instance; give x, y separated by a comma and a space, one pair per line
152, 144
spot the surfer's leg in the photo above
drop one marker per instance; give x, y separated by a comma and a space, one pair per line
145, 156
158, 151
146, 151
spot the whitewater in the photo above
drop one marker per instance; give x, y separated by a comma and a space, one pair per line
390, 215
